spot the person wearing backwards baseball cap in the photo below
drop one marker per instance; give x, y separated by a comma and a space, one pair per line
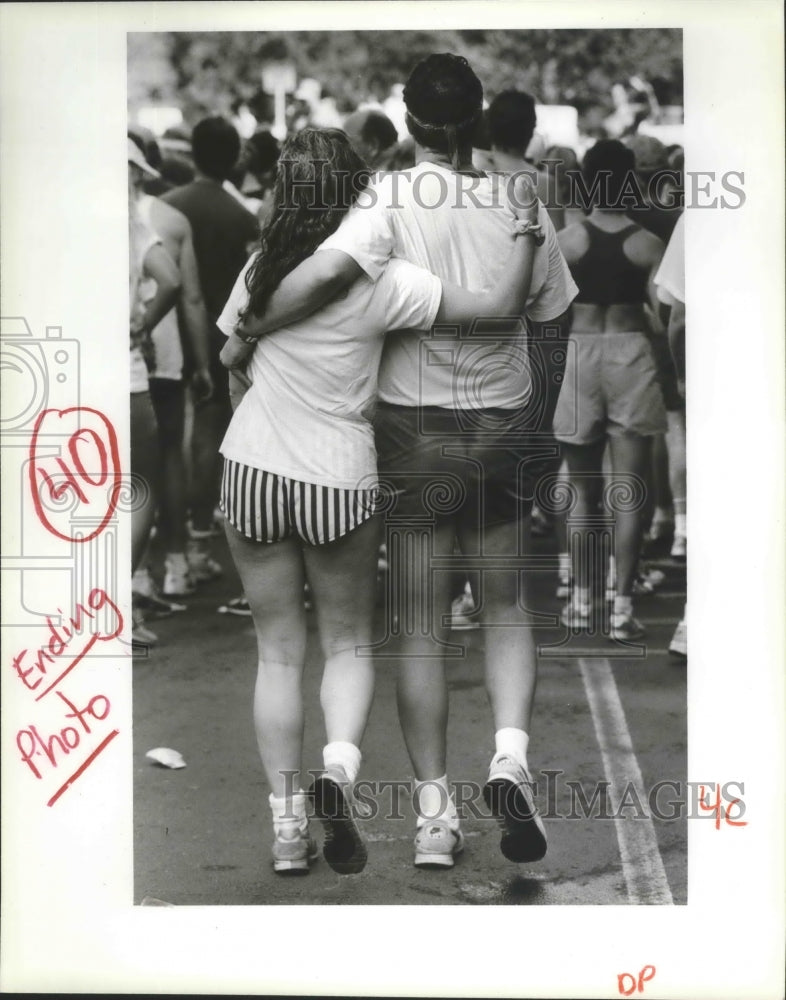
470, 418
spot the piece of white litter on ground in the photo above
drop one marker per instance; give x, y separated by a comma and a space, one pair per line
166, 757
152, 901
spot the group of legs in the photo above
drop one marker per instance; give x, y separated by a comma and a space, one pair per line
490, 524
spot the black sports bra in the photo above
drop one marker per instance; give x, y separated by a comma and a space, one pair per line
604, 274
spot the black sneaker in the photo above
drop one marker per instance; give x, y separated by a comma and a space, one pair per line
336, 807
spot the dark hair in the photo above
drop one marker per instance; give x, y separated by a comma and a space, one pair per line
176, 170
264, 152
511, 120
377, 127
318, 179
215, 146
615, 164
444, 98
401, 156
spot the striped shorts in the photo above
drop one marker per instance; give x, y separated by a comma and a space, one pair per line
269, 508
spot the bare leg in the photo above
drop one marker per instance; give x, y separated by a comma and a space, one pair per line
272, 578
211, 420
631, 455
584, 472
422, 684
675, 442
510, 654
342, 576
145, 469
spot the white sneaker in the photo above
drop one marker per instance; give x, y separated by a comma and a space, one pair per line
576, 615
625, 627
437, 843
508, 794
177, 579
679, 641
679, 548
293, 848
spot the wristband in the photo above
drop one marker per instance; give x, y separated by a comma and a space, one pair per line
247, 340
523, 227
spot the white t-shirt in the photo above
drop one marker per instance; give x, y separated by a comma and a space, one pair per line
459, 227
308, 412
670, 279
166, 335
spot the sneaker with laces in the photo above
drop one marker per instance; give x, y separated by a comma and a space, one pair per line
508, 794
337, 808
437, 843
177, 579
576, 615
679, 547
625, 627
293, 849
679, 641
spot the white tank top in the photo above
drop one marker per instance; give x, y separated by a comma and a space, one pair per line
166, 336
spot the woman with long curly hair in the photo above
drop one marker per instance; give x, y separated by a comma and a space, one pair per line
300, 472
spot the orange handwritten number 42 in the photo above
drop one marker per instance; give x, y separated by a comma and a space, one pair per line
717, 808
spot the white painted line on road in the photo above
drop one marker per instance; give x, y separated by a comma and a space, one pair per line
642, 864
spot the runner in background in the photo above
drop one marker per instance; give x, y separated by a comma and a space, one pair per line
670, 282
153, 286
223, 235
185, 326
611, 395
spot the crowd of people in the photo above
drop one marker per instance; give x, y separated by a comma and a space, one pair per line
265, 396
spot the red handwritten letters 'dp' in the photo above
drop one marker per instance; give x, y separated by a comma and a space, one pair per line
84, 475
74, 473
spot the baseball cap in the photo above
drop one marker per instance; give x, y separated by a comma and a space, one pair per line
136, 157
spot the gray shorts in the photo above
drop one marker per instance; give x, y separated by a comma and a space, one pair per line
611, 386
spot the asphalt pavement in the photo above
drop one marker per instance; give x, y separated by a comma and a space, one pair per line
609, 731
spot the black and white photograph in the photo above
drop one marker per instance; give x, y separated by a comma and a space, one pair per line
514, 392
367, 581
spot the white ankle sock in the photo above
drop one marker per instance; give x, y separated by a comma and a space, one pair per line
345, 755
681, 524
432, 801
514, 742
289, 812
564, 564
623, 605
